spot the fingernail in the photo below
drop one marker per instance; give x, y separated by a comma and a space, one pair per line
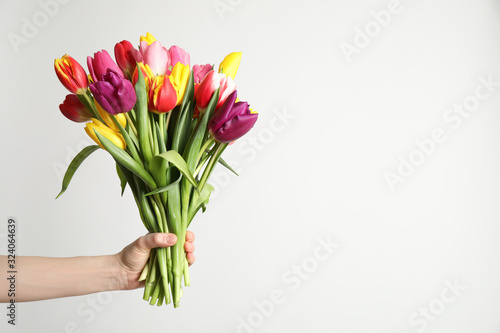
171, 239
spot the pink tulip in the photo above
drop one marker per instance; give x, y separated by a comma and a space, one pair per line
200, 71
156, 56
176, 55
100, 63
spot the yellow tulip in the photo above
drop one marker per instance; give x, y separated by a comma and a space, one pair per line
149, 39
179, 78
106, 116
104, 130
230, 64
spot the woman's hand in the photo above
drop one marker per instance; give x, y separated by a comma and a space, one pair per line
134, 257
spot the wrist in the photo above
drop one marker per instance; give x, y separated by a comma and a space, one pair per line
119, 279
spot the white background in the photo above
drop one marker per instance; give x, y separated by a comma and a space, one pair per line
332, 127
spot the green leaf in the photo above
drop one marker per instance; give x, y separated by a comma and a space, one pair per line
122, 157
129, 177
224, 163
143, 117
73, 166
182, 130
165, 188
130, 144
158, 169
123, 180
193, 150
201, 201
132, 135
176, 159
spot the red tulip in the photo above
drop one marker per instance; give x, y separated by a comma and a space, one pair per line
71, 74
209, 85
126, 57
74, 110
162, 95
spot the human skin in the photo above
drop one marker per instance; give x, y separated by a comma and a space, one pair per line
41, 278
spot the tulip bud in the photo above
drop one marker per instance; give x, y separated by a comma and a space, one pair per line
156, 56
106, 117
74, 110
71, 74
230, 64
149, 39
209, 85
177, 55
126, 57
232, 120
114, 93
107, 132
179, 79
100, 64
200, 71
162, 95
146, 72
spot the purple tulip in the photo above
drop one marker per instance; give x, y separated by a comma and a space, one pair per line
100, 63
232, 120
114, 93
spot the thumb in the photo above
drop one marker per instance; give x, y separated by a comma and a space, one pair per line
154, 240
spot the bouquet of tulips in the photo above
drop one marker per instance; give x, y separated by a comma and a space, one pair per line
166, 125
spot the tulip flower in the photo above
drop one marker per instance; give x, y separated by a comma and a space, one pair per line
100, 64
179, 79
71, 74
114, 93
232, 120
146, 72
106, 117
148, 39
207, 88
162, 95
176, 55
200, 71
156, 56
230, 64
104, 130
126, 57
74, 110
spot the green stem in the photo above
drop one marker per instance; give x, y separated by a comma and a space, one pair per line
200, 166
207, 144
88, 102
187, 280
130, 123
161, 124
152, 135
156, 293
211, 164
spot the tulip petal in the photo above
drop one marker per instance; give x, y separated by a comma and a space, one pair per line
156, 56
221, 115
74, 110
229, 66
236, 128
